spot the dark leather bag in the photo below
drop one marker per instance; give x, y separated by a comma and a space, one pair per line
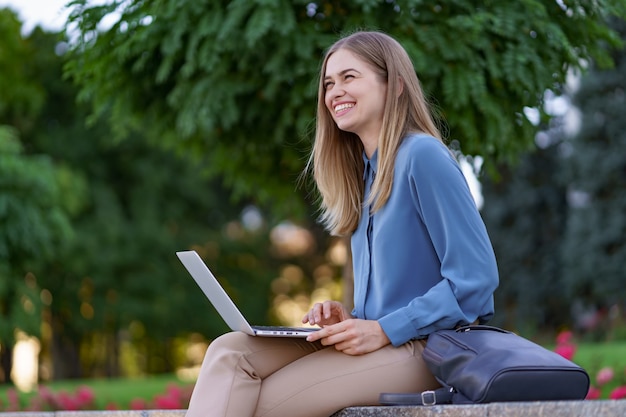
482, 364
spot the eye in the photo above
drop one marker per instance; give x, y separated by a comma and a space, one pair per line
348, 76
328, 84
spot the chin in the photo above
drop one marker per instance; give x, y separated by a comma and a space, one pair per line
346, 127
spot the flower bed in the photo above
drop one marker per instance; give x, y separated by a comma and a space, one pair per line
174, 397
605, 383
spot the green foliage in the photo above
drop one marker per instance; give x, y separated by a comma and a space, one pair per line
20, 98
34, 225
34, 217
525, 212
129, 206
233, 82
557, 218
594, 250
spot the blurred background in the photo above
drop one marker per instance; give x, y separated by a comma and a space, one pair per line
133, 129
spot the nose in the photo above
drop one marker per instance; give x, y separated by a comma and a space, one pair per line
336, 92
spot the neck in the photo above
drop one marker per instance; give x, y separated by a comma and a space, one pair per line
369, 145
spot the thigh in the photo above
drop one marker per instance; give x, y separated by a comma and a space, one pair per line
233, 371
262, 355
326, 381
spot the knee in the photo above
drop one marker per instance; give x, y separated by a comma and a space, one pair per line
227, 351
228, 343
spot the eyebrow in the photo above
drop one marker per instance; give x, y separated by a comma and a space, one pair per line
342, 73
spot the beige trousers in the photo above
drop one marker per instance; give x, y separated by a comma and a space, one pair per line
246, 376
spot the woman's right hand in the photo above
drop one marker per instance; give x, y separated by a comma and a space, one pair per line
326, 313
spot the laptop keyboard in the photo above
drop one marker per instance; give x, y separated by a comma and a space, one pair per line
285, 328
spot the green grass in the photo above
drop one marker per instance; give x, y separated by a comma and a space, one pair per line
591, 356
594, 356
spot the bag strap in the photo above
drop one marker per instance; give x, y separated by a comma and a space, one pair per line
430, 397
438, 396
473, 327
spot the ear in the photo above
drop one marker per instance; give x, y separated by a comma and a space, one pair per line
400, 85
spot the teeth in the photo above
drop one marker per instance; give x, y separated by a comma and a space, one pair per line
343, 107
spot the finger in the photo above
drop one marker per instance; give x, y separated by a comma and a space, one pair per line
327, 309
310, 316
320, 334
341, 347
330, 340
306, 318
348, 350
328, 335
317, 313
347, 345
333, 334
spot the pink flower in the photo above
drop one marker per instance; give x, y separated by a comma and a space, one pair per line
604, 376
173, 398
618, 393
43, 401
14, 400
593, 394
174, 391
13, 397
67, 402
564, 337
45, 394
84, 396
138, 404
567, 351
167, 402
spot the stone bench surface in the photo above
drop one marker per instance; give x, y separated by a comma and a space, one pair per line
595, 408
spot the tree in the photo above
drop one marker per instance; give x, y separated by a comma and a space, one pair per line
21, 97
121, 277
594, 251
34, 211
556, 218
35, 224
124, 203
525, 212
233, 82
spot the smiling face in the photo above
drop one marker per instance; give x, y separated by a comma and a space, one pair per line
355, 97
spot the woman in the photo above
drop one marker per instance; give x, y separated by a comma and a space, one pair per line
422, 257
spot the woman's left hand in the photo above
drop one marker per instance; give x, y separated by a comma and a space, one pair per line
352, 336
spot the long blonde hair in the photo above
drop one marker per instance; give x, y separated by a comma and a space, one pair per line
336, 158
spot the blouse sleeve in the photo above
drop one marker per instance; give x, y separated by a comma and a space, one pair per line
459, 237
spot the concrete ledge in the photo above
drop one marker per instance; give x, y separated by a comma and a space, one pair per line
98, 413
595, 408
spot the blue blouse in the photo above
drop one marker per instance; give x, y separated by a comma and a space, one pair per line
424, 261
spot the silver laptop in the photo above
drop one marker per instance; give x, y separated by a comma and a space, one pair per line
226, 307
